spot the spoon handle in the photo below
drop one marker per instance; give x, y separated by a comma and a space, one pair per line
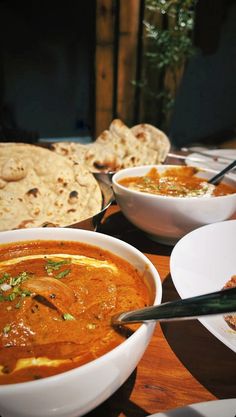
216, 179
220, 302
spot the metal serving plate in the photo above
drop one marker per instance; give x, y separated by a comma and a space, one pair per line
93, 222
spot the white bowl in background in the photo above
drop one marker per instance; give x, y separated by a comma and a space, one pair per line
78, 391
165, 218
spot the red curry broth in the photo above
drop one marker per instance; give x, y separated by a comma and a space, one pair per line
32, 328
176, 182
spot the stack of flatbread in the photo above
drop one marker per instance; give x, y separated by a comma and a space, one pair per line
39, 187
119, 147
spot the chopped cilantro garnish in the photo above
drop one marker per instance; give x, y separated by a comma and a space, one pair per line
14, 281
6, 329
25, 293
4, 278
54, 265
11, 296
16, 292
68, 316
63, 274
18, 305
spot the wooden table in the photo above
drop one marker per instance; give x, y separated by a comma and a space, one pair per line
183, 364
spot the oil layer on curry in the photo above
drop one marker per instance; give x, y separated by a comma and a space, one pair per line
56, 303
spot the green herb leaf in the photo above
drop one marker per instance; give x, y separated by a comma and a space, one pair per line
55, 265
18, 305
10, 297
68, 316
25, 293
4, 278
14, 281
62, 274
6, 329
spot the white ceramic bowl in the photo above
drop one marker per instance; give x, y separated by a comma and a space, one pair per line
76, 392
166, 219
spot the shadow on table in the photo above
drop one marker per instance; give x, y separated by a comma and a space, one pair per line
119, 403
118, 226
211, 362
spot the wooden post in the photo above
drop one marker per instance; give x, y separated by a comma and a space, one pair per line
129, 20
104, 64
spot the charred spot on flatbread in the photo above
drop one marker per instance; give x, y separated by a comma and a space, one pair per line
49, 224
73, 197
33, 192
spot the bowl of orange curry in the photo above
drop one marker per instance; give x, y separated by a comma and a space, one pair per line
59, 288
169, 201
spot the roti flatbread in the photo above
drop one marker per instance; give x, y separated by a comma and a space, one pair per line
38, 186
119, 147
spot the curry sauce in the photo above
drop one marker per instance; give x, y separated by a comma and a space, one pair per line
56, 303
176, 182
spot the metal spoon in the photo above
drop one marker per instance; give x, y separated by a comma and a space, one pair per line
214, 157
218, 177
219, 302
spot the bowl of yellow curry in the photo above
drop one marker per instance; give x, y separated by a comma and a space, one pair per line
169, 201
59, 288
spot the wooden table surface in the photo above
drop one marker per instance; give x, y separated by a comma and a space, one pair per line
183, 364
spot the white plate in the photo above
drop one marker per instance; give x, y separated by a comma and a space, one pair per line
218, 408
201, 262
208, 162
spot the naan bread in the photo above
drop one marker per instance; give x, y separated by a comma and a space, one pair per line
119, 147
71, 150
38, 186
122, 146
153, 138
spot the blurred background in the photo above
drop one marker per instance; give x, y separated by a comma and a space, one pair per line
67, 71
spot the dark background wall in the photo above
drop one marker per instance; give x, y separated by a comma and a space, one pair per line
205, 108
46, 66
47, 73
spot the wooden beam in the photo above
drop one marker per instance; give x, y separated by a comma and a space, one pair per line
104, 64
129, 20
